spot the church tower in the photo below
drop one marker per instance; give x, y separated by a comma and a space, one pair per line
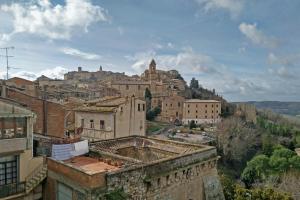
152, 67
153, 75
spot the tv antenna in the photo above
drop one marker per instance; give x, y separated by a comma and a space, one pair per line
7, 56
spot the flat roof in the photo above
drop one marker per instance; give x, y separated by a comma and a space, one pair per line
201, 101
90, 165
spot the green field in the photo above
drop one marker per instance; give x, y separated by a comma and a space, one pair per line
153, 126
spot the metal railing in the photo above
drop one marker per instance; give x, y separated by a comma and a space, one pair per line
12, 189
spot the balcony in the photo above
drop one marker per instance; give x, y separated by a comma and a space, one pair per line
12, 189
13, 145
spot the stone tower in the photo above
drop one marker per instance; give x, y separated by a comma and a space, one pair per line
153, 75
152, 66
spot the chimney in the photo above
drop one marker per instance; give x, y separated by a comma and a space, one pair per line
79, 69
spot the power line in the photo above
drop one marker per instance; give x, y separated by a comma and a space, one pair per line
7, 56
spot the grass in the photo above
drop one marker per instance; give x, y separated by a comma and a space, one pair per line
153, 126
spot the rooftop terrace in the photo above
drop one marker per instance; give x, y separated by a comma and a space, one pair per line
145, 150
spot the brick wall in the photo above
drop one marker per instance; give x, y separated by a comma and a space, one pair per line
51, 113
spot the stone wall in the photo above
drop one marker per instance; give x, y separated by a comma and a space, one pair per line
174, 179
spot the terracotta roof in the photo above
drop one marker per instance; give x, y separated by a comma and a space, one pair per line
90, 165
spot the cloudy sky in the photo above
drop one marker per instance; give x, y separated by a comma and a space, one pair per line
246, 50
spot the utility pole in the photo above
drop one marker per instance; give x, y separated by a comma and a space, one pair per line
7, 56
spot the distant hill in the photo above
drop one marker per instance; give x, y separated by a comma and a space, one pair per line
286, 108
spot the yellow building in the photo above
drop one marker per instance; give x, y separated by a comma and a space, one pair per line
111, 117
21, 174
201, 111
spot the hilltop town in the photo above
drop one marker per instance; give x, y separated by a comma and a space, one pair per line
107, 135
100, 133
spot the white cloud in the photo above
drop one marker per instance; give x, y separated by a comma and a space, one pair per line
210, 73
234, 7
286, 67
186, 59
42, 18
257, 37
80, 54
54, 73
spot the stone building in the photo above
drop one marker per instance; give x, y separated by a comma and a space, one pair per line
151, 74
160, 83
137, 168
130, 88
21, 174
111, 117
246, 111
172, 109
100, 75
201, 111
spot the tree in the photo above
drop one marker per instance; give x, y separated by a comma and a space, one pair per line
256, 169
280, 160
150, 115
194, 83
192, 124
267, 145
260, 194
157, 110
228, 187
148, 97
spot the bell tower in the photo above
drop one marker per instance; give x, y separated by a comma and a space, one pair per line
152, 66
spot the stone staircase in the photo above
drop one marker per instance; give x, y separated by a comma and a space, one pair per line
36, 177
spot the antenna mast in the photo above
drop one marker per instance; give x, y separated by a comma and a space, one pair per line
7, 56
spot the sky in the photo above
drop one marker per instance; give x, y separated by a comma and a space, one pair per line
245, 50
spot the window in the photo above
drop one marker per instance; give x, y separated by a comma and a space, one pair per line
217, 111
178, 104
212, 111
139, 107
171, 105
92, 123
196, 116
196, 111
8, 170
188, 105
127, 87
143, 107
205, 111
212, 105
102, 124
205, 116
166, 105
188, 111
139, 87
205, 105
217, 105
176, 114
82, 123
